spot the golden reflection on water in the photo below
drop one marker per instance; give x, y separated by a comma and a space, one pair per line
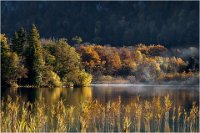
73, 96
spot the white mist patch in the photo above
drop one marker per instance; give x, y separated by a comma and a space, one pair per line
132, 85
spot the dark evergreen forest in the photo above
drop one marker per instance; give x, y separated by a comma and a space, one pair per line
173, 24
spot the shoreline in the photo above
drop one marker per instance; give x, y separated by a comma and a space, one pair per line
139, 84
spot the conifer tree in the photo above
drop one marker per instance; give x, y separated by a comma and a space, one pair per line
19, 40
35, 62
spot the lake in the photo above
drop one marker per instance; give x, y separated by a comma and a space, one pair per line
179, 95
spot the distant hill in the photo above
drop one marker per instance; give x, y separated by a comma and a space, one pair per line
115, 23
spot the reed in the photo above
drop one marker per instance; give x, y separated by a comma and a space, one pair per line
173, 117
92, 116
148, 115
194, 114
167, 108
179, 112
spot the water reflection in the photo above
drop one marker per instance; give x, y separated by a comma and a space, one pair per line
180, 95
71, 96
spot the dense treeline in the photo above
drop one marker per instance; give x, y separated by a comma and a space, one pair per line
139, 63
29, 60
106, 22
26, 61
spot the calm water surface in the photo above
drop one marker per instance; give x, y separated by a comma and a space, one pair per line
180, 95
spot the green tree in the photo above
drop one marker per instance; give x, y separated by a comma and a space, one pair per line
77, 39
11, 68
16, 69
35, 62
63, 59
19, 41
67, 62
5, 54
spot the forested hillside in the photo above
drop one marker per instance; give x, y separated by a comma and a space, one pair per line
116, 23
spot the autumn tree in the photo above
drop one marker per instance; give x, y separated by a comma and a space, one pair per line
90, 58
148, 70
177, 64
152, 50
157, 50
128, 64
137, 56
113, 61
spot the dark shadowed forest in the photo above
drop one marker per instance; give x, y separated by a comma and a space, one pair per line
173, 24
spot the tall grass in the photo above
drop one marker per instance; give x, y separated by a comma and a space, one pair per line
159, 114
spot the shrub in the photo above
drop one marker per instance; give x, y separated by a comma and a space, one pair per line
84, 79
52, 79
